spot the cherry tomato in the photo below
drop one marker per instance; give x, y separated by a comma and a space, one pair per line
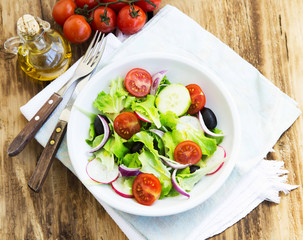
90, 3
138, 82
76, 29
126, 124
129, 24
148, 7
146, 188
63, 10
187, 152
197, 98
116, 6
106, 26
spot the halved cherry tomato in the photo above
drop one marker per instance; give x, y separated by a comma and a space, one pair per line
104, 24
147, 7
90, 3
76, 29
138, 82
197, 98
63, 10
129, 24
126, 124
187, 152
116, 6
146, 188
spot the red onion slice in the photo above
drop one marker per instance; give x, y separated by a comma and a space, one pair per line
157, 78
158, 132
128, 172
142, 117
205, 129
173, 164
105, 137
176, 185
99, 173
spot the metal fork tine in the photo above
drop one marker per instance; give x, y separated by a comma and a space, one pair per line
93, 50
101, 47
90, 46
97, 48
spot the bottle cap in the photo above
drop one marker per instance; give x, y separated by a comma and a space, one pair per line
27, 25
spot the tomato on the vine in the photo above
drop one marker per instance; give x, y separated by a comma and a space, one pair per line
76, 29
147, 7
90, 3
63, 10
131, 19
115, 6
146, 188
138, 82
103, 23
187, 152
197, 98
126, 124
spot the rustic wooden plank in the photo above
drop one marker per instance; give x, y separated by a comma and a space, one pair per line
268, 34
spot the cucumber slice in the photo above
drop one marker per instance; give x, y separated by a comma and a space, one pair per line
175, 98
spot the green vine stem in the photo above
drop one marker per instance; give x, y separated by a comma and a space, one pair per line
89, 17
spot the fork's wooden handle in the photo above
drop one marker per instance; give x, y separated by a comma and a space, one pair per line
45, 161
32, 127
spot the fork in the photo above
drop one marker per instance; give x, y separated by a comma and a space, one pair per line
86, 66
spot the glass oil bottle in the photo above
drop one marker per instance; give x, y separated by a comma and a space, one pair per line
43, 53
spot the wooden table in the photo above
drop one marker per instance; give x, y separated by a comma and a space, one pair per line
268, 34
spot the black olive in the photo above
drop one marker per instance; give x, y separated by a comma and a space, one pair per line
209, 118
193, 168
98, 126
137, 146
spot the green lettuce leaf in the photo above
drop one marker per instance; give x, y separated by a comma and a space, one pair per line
187, 180
153, 164
148, 109
207, 145
131, 160
218, 139
171, 140
169, 120
164, 82
115, 144
113, 102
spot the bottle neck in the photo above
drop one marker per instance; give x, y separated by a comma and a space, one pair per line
38, 42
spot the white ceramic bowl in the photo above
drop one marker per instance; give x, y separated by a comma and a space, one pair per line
180, 70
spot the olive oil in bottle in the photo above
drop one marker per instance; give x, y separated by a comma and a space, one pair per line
43, 53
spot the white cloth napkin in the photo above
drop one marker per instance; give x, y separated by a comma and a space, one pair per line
265, 113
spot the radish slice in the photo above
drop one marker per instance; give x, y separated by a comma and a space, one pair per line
128, 172
217, 158
99, 173
142, 117
105, 137
157, 78
176, 185
173, 164
205, 129
158, 132
122, 189
215, 170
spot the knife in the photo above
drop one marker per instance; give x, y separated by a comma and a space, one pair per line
45, 161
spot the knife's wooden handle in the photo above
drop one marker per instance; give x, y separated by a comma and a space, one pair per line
32, 127
45, 161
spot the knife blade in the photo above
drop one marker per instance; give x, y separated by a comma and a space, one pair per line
44, 163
